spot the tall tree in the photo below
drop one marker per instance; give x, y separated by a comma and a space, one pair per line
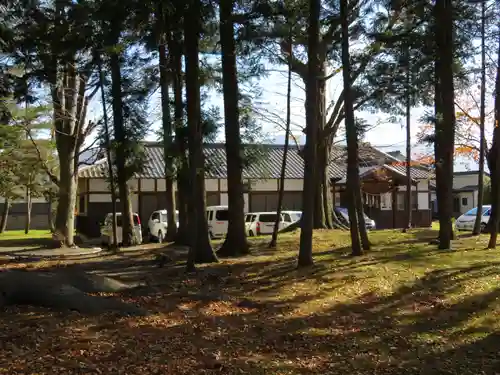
310, 151
200, 249
409, 207
445, 118
281, 192
351, 133
482, 117
163, 36
494, 161
235, 242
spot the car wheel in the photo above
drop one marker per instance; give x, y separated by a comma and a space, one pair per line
483, 227
250, 233
160, 237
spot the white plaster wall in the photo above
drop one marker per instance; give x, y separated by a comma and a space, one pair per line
470, 204
264, 185
100, 198
245, 199
224, 199
161, 185
135, 203
423, 201
293, 184
133, 184
98, 184
464, 180
213, 184
147, 184
423, 185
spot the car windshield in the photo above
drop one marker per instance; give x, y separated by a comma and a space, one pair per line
473, 212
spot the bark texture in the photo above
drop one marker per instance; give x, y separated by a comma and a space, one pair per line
167, 137
5, 215
494, 164
482, 115
281, 192
128, 237
353, 184
235, 243
308, 195
200, 250
445, 120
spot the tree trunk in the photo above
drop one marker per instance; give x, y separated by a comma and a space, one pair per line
65, 212
363, 233
482, 137
111, 175
5, 215
29, 205
320, 214
281, 192
50, 214
235, 243
408, 145
494, 164
201, 248
167, 142
175, 47
128, 235
353, 184
308, 194
445, 124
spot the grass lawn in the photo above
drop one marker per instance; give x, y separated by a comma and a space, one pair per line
404, 308
20, 235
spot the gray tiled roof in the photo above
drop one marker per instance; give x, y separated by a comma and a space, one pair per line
263, 161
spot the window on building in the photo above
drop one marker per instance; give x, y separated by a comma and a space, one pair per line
464, 201
400, 201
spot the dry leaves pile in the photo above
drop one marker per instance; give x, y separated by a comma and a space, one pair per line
424, 312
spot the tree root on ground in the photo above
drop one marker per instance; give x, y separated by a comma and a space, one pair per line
65, 290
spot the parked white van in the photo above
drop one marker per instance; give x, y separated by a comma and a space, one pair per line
157, 224
217, 218
257, 223
107, 229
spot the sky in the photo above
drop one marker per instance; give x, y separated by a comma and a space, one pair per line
272, 114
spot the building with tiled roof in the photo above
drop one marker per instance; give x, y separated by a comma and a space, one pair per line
261, 176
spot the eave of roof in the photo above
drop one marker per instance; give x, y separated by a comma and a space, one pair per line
264, 162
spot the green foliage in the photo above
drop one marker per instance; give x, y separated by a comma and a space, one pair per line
24, 155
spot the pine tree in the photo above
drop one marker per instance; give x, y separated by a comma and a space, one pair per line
200, 249
235, 242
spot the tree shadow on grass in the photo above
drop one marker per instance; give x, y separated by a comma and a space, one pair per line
413, 330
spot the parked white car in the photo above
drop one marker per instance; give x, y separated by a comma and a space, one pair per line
342, 212
467, 220
257, 223
157, 225
107, 229
291, 216
217, 218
